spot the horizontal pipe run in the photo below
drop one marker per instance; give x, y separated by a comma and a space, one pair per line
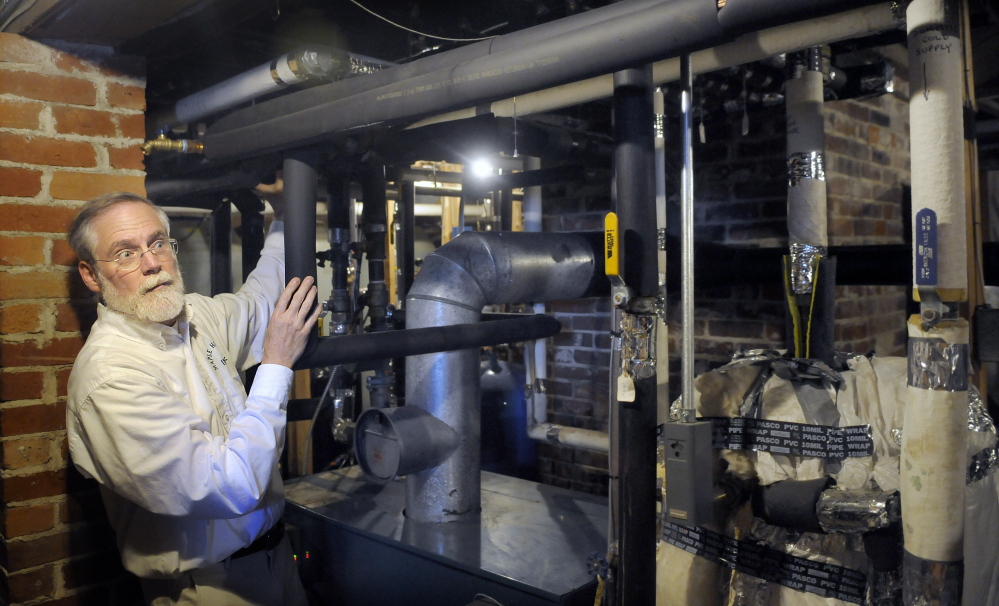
570, 436
745, 49
416, 341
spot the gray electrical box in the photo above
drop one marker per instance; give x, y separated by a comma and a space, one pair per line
689, 473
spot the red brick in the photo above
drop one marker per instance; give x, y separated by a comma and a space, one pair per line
20, 182
133, 126
44, 87
40, 485
59, 546
21, 521
26, 452
22, 250
30, 585
81, 121
24, 318
34, 285
46, 151
18, 114
62, 254
97, 596
38, 418
130, 158
71, 316
62, 381
16, 49
53, 352
38, 217
19, 386
84, 186
126, 97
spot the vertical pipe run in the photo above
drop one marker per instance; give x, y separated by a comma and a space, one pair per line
300, 182
934, 438
662, 332
406, 225
634, 170
221, 257
338, 207
689, 411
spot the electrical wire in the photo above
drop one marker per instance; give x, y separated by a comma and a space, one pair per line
413, 31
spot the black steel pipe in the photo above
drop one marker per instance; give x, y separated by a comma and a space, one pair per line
417, 341
405, 219
221, 246
166, 191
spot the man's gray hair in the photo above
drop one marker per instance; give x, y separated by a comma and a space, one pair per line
81, 234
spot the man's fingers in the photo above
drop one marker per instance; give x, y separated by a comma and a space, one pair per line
303, 289
309, 301
286, 294
314, 317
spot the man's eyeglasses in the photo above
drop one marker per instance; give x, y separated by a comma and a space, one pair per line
130, 258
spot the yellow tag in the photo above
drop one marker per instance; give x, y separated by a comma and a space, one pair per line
612, 246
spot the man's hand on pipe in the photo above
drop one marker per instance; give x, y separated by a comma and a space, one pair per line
291, 322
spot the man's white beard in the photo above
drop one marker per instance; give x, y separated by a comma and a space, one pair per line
161, 305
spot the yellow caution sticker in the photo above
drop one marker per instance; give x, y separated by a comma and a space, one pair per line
612, 246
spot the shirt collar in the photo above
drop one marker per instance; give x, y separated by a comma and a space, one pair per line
153, 333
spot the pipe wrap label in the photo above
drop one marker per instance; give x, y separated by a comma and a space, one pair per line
937, 365
792, 439
769, 564
926, 248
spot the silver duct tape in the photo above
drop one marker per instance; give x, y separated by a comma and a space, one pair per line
658, 126
857, 511
884, 588
926, 582
638, 345
805, 165
676, 409
978, 412
661, 238
359, 67
937, 365
804, 260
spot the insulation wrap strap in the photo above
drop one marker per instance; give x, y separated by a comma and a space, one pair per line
769, 564
937, 365
982, 463
795, 439
931, 582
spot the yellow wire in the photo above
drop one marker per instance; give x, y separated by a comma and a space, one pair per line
792, 306
811, 306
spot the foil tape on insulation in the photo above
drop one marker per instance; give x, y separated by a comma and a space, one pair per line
937, 365
805, 165
857, 511
804, 260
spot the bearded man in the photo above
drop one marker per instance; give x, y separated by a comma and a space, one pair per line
157, 414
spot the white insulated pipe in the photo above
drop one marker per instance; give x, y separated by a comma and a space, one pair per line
744, 49
934, 435
807, 225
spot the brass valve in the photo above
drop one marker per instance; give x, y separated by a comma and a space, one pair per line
161, 143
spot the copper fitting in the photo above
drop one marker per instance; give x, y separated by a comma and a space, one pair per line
183, 146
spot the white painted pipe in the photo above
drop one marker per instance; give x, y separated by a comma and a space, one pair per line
745, 49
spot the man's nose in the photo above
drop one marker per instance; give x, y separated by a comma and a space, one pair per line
150, 263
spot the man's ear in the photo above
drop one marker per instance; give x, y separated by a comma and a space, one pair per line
87, 273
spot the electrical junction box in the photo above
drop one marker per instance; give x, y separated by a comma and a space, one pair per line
689, 473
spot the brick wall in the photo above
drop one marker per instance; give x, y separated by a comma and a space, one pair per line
741, 200
71, 119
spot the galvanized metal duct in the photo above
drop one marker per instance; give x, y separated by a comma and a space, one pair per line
934, 438
455, 282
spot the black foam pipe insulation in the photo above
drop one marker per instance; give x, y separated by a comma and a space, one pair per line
790, 503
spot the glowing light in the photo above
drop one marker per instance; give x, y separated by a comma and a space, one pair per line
482, 168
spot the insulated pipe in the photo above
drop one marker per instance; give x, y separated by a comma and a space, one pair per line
747, 48
357, 348
662, 328
634, 174
288, 69
637, 37
689, 410
934, 438
300, 196
806, 178
455, 282
164, 191
741, 16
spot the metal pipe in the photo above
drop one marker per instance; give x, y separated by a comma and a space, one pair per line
934, 440
756, 46
455, 282
634, 157
357, 348
689, 410
405, 221
637, 37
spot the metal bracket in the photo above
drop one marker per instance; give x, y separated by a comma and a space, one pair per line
931, 308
